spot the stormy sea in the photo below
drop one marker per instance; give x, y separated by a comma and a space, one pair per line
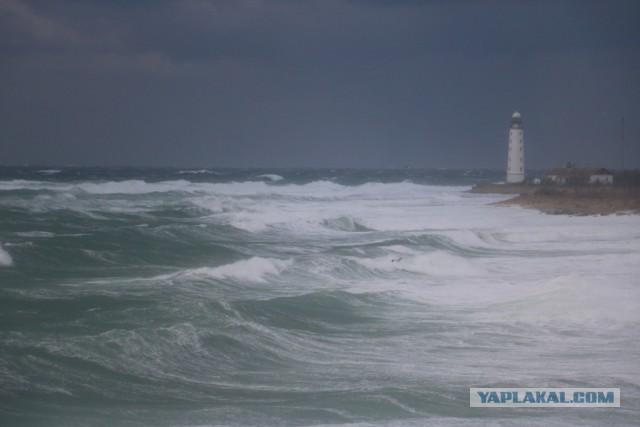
304, 297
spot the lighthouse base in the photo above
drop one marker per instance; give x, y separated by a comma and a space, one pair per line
515, 178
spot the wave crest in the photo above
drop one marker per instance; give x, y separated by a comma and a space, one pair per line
345, 223
254, 269
431, 264
270, 177
5, 258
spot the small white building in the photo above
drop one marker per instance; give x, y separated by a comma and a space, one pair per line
515, 161
570, 174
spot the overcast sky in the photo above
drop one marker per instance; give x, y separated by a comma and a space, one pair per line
337, 83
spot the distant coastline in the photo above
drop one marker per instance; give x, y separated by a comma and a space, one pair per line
567, 199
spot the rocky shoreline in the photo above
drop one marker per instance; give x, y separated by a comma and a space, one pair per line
568, 200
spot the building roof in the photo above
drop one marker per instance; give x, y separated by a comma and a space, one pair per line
575, 171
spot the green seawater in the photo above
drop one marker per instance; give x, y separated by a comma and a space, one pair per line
193, 297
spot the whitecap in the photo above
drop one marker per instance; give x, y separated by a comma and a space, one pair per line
41, 234
134, 186
23, 184
430, 264
196, 172
270, 177
5, 258
251, 270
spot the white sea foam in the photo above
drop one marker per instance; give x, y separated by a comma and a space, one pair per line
270, 177
432, 264
5, 258
255, 207
22, 184
255, 270
574, 301
40, 234
196, 172
133, 187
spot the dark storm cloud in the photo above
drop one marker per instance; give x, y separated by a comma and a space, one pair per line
335, 83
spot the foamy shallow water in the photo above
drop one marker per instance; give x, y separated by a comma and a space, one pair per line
306, 298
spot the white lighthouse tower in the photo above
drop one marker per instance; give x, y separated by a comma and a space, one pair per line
515, 162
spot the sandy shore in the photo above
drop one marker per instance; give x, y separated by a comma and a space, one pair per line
565, 200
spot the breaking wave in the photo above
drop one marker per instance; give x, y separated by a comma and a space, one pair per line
271, 177
196, 172
255, 269
5, 258
322, 298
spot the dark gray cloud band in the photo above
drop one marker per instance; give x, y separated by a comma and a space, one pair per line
316, 83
